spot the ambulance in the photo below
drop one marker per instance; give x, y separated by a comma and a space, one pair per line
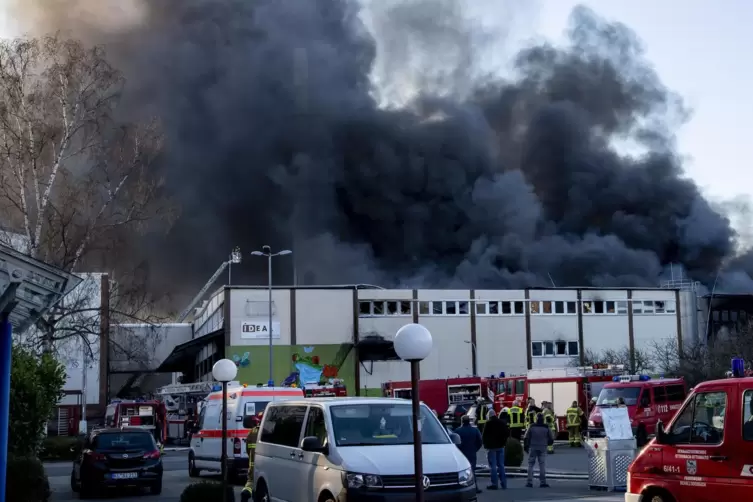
705, 454
242, 402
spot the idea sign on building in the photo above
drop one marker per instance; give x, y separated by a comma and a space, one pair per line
259, 330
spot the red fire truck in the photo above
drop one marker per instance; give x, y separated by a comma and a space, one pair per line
559, 386
182, 402
150, 415
439, 394
335, 389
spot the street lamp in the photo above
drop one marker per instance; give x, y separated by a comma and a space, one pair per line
413, 344
475, 356
224, 371
267, 251
235, 259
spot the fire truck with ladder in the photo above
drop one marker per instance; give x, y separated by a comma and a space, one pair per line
183, 403
147, 414
559, 386
439, 394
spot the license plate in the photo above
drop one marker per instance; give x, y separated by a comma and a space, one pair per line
125, 475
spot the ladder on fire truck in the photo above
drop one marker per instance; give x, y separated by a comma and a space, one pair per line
580, 371
185, 388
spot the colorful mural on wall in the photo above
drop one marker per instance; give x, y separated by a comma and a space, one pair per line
299, 365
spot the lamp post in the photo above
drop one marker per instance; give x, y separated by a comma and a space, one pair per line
413, 344
224, 371
267, 251
475, 356
235, 259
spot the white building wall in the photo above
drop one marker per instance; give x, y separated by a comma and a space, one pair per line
654, 319
605, 320
211, 316
251, 306
452, 353
325, 316
501, 332
554, 328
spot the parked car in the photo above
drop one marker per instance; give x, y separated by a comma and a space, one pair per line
117, 458
452, 417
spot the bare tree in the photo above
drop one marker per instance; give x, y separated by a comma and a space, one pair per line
637, 361
75, 181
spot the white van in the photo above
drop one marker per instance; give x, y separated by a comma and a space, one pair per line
344, 449
242, 401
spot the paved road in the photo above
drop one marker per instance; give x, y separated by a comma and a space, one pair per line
176, 478
564, 459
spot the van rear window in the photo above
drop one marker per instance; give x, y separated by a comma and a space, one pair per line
748, 415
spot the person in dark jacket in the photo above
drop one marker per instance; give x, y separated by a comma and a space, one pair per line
470, 442
495, 438
538, 437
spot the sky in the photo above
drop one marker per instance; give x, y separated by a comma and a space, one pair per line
697, 48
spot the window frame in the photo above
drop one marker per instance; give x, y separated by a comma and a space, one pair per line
692, 404
304, 429
750, 412
269, 416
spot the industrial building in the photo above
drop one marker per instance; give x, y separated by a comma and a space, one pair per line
345, 332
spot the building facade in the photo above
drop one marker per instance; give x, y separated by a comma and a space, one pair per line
330, 333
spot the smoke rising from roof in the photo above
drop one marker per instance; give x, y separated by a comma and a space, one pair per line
277, 134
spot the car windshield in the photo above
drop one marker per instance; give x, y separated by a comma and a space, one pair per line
383, 424
611, 396
123, 441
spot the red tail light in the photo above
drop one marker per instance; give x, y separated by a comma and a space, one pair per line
135, 421
152, 454
236, 446
96, 457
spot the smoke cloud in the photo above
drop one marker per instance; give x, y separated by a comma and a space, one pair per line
372, 140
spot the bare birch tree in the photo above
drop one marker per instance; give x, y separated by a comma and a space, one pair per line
74, 180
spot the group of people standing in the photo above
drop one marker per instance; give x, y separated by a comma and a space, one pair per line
535, 427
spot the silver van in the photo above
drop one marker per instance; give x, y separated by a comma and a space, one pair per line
355, 449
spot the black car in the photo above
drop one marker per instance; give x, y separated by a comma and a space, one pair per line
117, 458
454, 414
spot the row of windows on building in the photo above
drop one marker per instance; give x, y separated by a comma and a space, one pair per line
369, 308
554, 348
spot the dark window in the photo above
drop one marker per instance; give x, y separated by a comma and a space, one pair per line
506, 308
202, 415
436, 308
463, 308
519, 308
599, 307
254, 408
494, 307
675, 393
559, 307
748, 415
571, 308
378, 308
572, 348
537, 349
561, 348
364, 308
609, 307
660, 395
701, 421
405, 308
549, 348
124, 441
450, 308
392, 308
283, 425
315, 425
520, 387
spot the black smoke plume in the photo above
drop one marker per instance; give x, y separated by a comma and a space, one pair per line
276, 135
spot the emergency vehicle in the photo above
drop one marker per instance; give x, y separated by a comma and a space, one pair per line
648, 401
439, 394
150, 415
705, 454
242, 402
335, 389
559, 386
183, 403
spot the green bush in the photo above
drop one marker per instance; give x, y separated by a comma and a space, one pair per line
26, 480
513, 453
59, 448
205, 491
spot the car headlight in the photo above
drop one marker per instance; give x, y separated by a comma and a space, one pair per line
591, 423
465, 478
355, 480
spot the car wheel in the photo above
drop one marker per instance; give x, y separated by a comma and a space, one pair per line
261, 494
655, 495
193, 472
156, 488
74, 486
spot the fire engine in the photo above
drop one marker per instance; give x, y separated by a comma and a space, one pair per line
441, 393
150, 415
335, 389
559, 386
183, 403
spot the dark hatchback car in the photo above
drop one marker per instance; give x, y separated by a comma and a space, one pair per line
454, 414
117, 458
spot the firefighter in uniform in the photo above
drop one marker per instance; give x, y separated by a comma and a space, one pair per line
551, 421
248, 490
574, 417
531, 411
482, 414
516, 421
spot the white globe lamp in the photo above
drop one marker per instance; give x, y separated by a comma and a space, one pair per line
413, 342
224, 370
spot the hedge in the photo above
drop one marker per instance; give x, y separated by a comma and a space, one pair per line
59, 448
205, 491
26, 480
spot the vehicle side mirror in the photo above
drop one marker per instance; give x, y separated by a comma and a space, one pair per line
455, 438
661, 435
249, 422
312, 444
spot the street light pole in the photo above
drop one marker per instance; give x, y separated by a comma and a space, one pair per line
224, 371
475, 357
413, 344
267, 251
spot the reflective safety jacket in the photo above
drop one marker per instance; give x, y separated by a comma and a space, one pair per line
251, 449
573, 417
483, 414
516, 417
549, 419
531, 416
